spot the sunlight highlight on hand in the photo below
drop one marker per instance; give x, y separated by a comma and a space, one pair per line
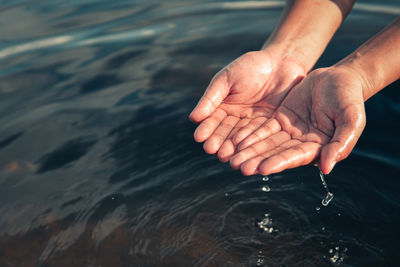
320, 119
241, 97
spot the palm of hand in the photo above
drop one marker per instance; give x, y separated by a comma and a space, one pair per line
242, 95
322, 117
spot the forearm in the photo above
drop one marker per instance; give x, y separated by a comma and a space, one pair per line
306, 27
377, 61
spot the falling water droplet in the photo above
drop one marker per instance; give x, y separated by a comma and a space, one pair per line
265, 178
327, 199
266, 188
329, 195
260, 261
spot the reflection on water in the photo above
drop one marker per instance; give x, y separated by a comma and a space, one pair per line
98, 166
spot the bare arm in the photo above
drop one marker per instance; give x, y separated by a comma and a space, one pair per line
323, 116
244, 94
306, 27
377, 61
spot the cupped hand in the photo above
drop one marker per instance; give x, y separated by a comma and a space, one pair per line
321, 120
242, 96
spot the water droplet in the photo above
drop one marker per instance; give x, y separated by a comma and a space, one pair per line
329, 195
226, 194
266, 188
266, 224
317, 208
260, 261
330, 251
339, 214
323, 228
327, 199
265, 178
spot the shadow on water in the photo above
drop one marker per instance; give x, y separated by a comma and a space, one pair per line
8, 140
67, 153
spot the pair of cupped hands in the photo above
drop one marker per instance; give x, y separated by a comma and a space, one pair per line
264, 113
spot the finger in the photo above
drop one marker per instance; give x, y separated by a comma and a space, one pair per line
250, 167
295, 156
214, 142
248, 129
269, 128
228, 148
343, 141
212, 98
208, 126
256, 149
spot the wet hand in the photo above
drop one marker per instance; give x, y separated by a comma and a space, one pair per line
321, 120
242, 95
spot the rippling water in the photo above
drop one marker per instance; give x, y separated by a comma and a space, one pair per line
99, 167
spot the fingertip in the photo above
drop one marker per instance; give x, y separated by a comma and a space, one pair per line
248, 168
199, 136
209, 146
196, 116
272, 165
330, 167
328, 159
235, 161
327, 167
225, 153
192, 117
247, 171
203, 109
263, 170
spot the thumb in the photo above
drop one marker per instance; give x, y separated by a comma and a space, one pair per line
212, 98
346, 135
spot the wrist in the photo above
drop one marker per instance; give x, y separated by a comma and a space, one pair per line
289, 52
360, 73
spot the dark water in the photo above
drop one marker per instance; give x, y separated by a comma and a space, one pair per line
97, 162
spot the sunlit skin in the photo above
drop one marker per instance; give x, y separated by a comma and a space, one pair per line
259, 112
322, 117
312, 120
243, 94
249, 90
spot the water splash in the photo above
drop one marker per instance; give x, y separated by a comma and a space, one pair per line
336, 255
329, 196
260, 259
266, 224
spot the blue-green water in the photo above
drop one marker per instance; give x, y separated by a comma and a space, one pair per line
98, 166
